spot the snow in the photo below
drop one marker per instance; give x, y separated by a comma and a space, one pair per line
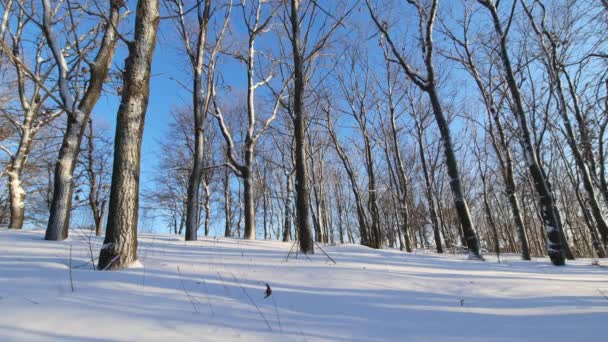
213, 290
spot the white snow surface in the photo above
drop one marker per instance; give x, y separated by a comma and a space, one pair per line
208, 290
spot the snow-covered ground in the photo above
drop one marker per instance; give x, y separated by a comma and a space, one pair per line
213, 290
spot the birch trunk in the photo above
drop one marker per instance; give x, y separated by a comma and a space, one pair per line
17, 200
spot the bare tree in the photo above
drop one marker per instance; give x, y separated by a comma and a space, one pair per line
428, 84
305, 49
78, 110
499, 139
555, 65
30, 114
548, 209
256, 23
120, 244
97, 171
202, 55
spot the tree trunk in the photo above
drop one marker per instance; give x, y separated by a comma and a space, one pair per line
120, 244
248, 196
302, 203
17, 200
549, 215
227, 204
460, 202
287, 220
429, 193
377, 238
63, 185
99, 219
199, 106
194, 185
207, 209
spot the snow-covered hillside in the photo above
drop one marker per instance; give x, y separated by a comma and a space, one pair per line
213, 290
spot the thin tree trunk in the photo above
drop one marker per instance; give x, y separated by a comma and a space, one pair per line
287, 210
554, 70
207, 208
99, 220
200, 103
227, 204
549, 215
429, 191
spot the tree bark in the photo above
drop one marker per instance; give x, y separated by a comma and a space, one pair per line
248, 196
63, 185
302, 202
17, 200
227, 204
200, 103
120, 244
287, 211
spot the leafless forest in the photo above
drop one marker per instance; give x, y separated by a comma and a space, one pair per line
475, 126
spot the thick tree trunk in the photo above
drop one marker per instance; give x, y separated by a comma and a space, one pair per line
194, 184
120, 244
248, 197
63, 185
17, 200
302, 203
17, 163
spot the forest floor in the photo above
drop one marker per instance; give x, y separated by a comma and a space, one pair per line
213, 290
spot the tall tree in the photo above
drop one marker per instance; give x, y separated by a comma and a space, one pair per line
202, 54
549, 213
256, 22
428, 84
299, 121
498, 138
31, 113
119, 249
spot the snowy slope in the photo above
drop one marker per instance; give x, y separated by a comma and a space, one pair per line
213, 289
